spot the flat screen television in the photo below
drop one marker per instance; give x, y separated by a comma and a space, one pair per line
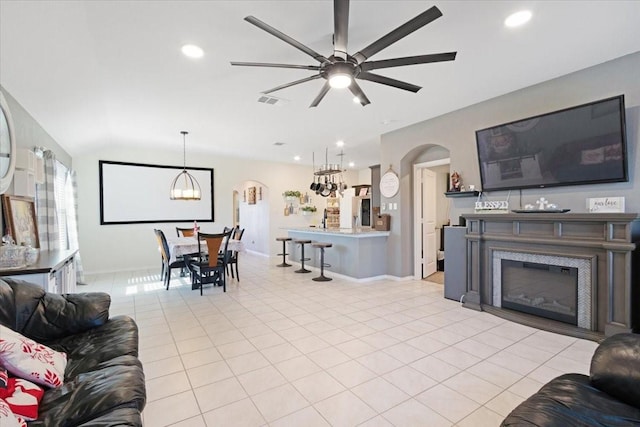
585, 144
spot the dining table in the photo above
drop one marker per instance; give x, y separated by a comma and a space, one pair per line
179, 246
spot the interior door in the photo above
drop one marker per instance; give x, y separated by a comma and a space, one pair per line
429, 246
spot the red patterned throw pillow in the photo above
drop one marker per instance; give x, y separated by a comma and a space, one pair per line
8, 418
27, 359
23, 398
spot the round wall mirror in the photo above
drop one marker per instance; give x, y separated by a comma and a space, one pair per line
7, 146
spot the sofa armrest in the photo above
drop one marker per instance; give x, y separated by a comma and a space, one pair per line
44, 316
615, 368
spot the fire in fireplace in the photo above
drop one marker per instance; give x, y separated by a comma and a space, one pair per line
544, 290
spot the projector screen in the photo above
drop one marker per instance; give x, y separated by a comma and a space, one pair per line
134, 193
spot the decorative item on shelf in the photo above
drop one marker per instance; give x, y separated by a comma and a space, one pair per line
292, 195
185, 186
259, 193
456, 182
605, 204
492, 206
20, 219
308, 210
543, 206
244, 196
31, 255
12, 256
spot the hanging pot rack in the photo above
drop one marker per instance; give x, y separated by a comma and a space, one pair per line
329, 168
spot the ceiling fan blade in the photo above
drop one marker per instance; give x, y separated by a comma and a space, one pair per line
285, 38
268, 64
356, 90
388, 81
402, 31
321, 95
286, 85
340, 28
408, 60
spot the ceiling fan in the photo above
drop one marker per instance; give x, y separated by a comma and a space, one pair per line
341, 70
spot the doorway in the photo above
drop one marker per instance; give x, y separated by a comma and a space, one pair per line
430, 214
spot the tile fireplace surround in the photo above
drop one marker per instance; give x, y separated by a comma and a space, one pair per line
603, 244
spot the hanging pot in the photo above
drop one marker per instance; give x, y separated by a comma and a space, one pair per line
314, 184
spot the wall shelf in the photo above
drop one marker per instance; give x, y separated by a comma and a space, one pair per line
474, 193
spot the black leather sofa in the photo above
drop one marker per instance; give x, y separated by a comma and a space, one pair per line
609, 396
104, 381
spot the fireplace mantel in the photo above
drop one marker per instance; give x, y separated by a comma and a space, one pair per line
610, 240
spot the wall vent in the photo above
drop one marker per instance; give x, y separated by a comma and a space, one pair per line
272, 100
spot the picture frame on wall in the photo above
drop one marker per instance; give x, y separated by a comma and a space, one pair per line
20, 219
252, 196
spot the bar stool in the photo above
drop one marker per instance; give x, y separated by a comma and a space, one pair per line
322, 246
302, 258
284, 253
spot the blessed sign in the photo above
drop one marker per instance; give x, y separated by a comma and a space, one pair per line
492, 205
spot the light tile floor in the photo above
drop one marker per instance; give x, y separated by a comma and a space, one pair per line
278, 349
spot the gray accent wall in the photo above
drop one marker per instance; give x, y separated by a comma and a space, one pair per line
455, 131
30, 134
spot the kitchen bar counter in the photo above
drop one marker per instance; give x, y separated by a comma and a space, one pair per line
357, 253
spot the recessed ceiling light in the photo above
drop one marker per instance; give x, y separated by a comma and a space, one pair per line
192, 51
351, 164
296, 158
517, 19
356, 100
340, 143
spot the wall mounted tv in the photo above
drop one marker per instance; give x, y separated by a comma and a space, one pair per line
585, 144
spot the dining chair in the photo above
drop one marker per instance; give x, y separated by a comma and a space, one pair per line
166, 265
233, 256
184, 232
211, 269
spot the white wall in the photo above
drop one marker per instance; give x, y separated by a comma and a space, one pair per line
110, 248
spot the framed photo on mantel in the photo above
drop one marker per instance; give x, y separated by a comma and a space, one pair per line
20, 219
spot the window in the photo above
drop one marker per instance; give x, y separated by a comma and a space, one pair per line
60, 191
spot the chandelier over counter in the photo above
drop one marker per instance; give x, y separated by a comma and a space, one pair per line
185, 186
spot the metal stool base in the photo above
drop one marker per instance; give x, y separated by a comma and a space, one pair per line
302, 270
321, 279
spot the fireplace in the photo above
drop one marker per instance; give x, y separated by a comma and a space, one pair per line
543, 290
548, 286
603, 247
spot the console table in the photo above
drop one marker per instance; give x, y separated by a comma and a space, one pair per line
605, 242
54, 271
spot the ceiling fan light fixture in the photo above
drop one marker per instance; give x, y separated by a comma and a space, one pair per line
340, 80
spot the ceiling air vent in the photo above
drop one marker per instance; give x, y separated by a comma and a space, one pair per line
272, 100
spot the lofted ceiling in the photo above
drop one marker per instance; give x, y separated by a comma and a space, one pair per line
110, 73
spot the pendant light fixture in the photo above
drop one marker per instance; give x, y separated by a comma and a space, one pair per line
185, 186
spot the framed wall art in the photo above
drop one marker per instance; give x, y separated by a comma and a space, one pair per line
20, 219
252, 196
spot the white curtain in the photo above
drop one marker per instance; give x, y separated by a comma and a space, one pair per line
72, 222
46, 209
57, 210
